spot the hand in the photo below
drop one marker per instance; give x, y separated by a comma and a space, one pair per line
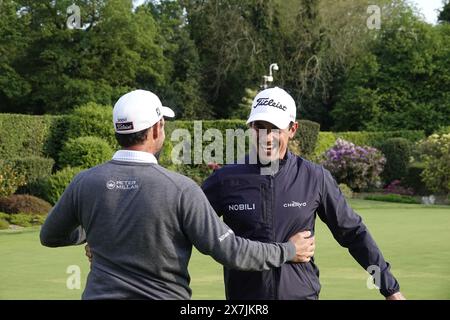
304, 245
88, 252
396, 296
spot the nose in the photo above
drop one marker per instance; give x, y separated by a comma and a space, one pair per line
270, 137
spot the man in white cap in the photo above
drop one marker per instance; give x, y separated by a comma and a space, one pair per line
269, 207
141, 220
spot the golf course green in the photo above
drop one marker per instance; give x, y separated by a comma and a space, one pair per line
415, 239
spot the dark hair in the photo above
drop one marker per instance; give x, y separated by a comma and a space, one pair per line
132, 139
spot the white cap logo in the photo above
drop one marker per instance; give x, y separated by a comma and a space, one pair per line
273, 105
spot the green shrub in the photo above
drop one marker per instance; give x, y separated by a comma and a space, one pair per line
10, 179
22, 203
92, 120
397, 152
26, 220
436, 159
85, 152
307, 135
392, 198
346, 190
52, 187
4, 224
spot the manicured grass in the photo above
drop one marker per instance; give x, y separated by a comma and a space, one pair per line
415, 239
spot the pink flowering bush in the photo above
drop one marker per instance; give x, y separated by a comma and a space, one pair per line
358, 167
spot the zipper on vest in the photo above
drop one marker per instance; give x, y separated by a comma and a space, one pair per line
275, 272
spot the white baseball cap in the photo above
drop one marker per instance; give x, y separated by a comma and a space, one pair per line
273, 105
138, 110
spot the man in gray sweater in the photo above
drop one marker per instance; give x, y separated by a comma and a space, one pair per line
141, 220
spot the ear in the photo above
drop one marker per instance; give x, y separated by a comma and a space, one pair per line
293, 130
156, 130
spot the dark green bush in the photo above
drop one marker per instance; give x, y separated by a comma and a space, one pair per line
92, 120
413, 178
85, 152
22, 203
397, 152
392, 198
307, 135
57, 137
52, 187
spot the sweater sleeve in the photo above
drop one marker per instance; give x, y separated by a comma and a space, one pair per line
62, 226
212, 236
350, 232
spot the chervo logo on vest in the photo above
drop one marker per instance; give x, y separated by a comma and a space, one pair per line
294, 204
241, 207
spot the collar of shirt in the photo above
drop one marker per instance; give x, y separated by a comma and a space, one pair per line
134, 156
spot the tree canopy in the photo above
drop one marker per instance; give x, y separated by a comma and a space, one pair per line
203, 56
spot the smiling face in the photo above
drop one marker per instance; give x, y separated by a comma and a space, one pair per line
272, 142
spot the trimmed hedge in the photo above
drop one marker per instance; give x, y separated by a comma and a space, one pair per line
23, 135
364, 138
26, 135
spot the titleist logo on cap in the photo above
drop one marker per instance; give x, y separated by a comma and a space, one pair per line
124, 126
271, 103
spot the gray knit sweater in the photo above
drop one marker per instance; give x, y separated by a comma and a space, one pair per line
141, 221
